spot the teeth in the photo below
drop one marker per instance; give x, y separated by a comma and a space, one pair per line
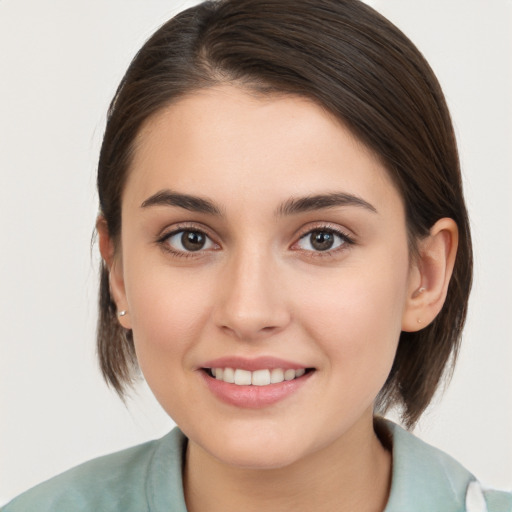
229, 375
276, 375
260, 378
256, 378
289, 375
242, 377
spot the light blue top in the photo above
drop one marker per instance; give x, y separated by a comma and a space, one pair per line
147, 478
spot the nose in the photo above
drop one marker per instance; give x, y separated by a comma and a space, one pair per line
252, 302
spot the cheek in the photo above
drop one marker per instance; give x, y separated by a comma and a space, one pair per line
169, 316
169, 309
356, 315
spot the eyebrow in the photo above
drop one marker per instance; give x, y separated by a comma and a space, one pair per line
188, 202
290, 207
322, 201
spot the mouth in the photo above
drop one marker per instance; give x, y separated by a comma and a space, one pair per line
260, 378
255, 383
258, 384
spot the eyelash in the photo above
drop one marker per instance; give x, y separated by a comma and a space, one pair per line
346, 241
163, 241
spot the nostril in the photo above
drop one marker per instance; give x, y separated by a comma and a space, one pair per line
248, 330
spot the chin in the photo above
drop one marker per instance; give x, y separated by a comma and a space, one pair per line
259, 459
255, 449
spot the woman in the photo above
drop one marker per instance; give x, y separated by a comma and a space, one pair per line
286, 253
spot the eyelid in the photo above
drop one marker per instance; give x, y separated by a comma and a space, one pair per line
170, 231
348, 239
185, 226
179, 235
327, 226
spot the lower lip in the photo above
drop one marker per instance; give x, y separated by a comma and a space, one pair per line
254, 397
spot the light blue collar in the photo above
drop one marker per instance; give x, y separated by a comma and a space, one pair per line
424, 479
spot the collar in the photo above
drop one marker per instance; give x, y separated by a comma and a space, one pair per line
424, 479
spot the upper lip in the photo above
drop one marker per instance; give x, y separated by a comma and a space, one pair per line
252, 364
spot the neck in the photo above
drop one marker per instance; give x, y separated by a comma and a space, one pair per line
353, 473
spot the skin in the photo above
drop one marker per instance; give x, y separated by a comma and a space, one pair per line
259, 288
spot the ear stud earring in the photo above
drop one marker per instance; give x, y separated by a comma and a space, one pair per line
122, 313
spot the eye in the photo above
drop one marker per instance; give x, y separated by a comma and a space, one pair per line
322, 240
187, 240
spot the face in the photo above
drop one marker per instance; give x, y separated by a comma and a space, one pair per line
260, 242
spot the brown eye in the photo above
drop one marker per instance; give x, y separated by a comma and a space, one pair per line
193, 240
189, 241
321, 240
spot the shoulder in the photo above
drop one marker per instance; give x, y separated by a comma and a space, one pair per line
479, 499
129, 480
424, 479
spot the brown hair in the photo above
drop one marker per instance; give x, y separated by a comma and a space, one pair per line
357, 65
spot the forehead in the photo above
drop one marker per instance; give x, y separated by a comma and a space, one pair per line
231, 143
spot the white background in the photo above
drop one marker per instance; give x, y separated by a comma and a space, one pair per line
60, 62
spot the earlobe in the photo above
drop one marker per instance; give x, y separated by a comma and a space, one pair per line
115, 267
431, 275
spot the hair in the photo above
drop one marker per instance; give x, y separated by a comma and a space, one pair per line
358, 66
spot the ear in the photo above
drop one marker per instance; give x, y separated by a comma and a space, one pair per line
113, 261
430, 275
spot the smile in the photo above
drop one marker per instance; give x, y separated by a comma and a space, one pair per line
263, 377
252, 386
254, 382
